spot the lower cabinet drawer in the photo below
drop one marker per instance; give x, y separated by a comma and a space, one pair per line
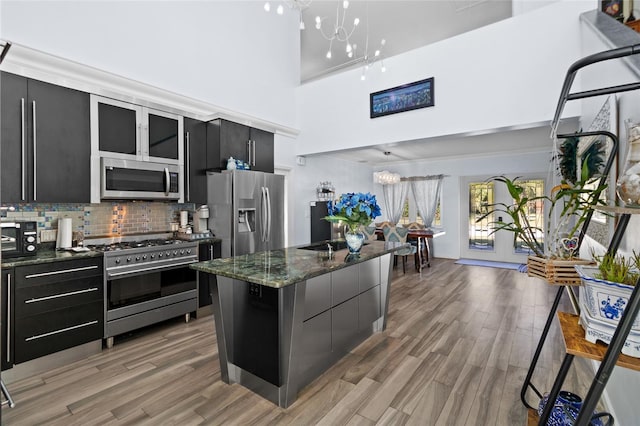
40, 335
39, 299
344, 327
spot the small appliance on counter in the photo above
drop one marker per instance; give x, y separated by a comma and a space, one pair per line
19, 239
64, 239
201, 219
199, 231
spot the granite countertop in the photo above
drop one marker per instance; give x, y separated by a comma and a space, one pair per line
47, 255
280, 268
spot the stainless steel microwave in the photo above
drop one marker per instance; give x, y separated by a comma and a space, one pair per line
138, 180
18, 239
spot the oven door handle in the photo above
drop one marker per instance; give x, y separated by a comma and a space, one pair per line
153, 268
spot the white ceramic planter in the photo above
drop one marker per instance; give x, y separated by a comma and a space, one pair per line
595, 330
602, 304
605, 300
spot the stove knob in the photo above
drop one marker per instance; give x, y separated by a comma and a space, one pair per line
181, 251
137, 258
160, 254
168, 253
128, 259
144, 257
31, 239
175, 252
117, 260
188, 251
153, 256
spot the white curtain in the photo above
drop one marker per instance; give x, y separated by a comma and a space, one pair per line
426, 192
394, 196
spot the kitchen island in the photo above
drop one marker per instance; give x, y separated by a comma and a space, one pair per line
283, 317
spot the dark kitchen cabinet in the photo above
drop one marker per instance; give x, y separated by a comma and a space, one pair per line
7, 319
57, 306
45, 136
228, 139
207, 251
195, 166
132, 131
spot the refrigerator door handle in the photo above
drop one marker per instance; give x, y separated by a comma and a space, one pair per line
268, 238
263, 218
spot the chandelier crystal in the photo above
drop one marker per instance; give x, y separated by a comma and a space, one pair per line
386, 177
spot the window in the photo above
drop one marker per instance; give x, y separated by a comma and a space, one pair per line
534, 188
480, 197
410, 213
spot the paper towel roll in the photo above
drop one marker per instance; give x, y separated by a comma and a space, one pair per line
184, 218
65, 229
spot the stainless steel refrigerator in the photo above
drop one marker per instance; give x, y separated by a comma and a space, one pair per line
246, 210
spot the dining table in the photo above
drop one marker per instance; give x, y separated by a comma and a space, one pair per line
422, 237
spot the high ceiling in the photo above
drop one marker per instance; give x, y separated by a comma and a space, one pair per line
404, 25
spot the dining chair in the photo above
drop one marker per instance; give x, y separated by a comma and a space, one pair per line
421, 243
398, 234
383, 225
414, 225
369, 232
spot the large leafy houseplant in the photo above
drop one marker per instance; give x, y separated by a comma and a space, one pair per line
570, 204
353, 210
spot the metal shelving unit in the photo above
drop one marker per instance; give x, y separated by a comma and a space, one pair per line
610, 355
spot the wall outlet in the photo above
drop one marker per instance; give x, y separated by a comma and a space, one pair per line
48, 235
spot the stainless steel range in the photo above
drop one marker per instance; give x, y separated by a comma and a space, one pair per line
146, 282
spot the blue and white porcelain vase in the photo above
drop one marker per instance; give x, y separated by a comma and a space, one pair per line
566, 409
354, 241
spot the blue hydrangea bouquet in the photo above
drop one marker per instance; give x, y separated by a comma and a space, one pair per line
354, 209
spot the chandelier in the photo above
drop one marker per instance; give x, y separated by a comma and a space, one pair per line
385, 177
297, 5
339, 31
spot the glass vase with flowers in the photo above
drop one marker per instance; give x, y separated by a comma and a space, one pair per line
353, 210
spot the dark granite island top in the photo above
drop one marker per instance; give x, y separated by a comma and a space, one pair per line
283, 317
280, 268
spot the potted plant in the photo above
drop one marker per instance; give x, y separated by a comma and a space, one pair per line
604, 296
569, 206
354, 210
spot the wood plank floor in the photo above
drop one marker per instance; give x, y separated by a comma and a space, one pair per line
457, 346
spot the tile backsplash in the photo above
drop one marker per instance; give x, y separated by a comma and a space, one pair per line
104, 219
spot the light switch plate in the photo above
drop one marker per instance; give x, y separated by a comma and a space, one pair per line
48, 235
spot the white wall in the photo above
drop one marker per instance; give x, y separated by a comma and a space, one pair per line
505, 74
228, 53
345, 176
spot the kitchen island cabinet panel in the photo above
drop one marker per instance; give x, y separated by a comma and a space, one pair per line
45, 142
303, 308
344, 285
317, 297
368, 274
344, 327
369, 305
315, 355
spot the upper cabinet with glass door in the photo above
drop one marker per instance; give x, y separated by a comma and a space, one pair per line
129, 131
